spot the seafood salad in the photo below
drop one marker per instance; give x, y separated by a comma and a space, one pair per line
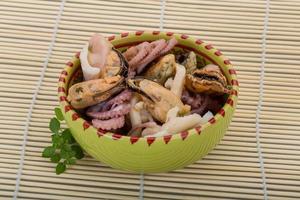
151, 89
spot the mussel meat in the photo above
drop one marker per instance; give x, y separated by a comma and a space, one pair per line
88, 93
157, 99
162, 70
208, 80
188, 60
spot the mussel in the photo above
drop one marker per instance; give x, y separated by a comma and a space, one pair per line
164, 68
209, 80
116, 64
88, 93
157, 99
188, 60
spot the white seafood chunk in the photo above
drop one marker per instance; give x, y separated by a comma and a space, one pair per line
88, 71
93, 57
172, 113
134, 114
179, 124
207, 116
179, 80
169, 83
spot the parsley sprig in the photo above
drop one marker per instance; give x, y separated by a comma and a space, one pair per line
64, 150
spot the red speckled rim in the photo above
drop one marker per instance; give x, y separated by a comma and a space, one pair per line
62, 87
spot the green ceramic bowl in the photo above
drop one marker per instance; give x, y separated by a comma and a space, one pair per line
151, 154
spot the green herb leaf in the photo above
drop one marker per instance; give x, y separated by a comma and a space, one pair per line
48, 152
54, 125
59, 144
66, 147
65, 154
72, 153
66, 151
60, 168
55, 158
55, 138
67, 136
57, 141
71, 161
78, 151
59, 114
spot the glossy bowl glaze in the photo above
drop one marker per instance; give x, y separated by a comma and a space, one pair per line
151, 154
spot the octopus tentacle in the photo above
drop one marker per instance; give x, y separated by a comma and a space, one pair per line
118, 111
120, 98
105, 106
130, 53
194, 101
142, 53
109, 124
198, 102
170, 45
136, 53
158, 46
200, 110
114, 105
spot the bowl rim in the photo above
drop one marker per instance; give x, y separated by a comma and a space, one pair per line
230, 102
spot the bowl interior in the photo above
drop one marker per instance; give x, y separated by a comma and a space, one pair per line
206, 54
151, 154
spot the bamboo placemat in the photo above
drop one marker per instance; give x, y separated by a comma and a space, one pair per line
259, 157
